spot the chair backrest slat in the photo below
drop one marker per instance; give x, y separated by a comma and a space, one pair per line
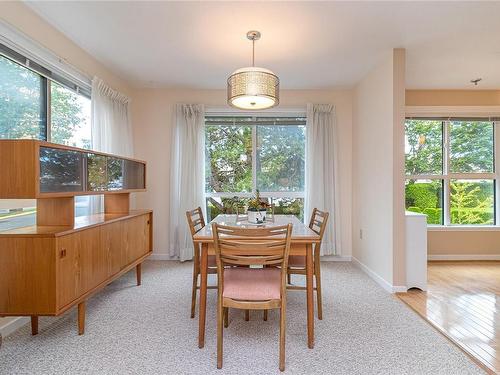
195, 220
318, 222
252, 246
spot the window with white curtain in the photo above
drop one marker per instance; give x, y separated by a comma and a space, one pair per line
450, 170
244, 154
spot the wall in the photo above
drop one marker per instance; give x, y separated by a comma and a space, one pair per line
377, 171
153, 119
455, 243
25, 20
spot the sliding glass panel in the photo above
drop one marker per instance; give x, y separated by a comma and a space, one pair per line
96, 172
424, 147
472, 202
228, 158
115, 173
22, 102
60, 170
426, 197
70, 117
280, 158
471, 147
133, 175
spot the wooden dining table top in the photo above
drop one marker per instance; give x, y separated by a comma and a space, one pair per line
300, 231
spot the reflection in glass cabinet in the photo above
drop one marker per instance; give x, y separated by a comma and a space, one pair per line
133, 175
60, 170
115, 173
96, 172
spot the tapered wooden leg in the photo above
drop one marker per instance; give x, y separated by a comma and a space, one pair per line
138, 273
247, 315
226, 317
265, 315
310, 297
34, 325
81, 318
196, 272
203, 295
282, 336
220, 314
317, 276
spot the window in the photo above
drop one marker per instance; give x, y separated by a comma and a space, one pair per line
450, 170
244, 154
36, 103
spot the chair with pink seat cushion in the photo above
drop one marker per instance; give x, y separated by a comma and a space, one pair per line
297, 263
247, 288
196, 222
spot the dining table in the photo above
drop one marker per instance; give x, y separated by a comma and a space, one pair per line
302, 241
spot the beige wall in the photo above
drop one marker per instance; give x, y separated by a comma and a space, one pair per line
153, 119
452, 97
377, 204
25, 20
459, 242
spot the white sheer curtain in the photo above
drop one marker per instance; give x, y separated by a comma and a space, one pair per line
322, 188
111, 126
187, 175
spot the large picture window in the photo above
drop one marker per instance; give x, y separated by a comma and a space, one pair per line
245, 154
36, 103
450, 170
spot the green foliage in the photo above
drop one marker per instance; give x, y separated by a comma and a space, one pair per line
21, 107
424, 150
471, 146
471, 202
422, 195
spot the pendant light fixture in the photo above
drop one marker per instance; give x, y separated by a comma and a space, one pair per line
253, 87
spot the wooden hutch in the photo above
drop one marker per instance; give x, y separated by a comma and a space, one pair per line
61, 261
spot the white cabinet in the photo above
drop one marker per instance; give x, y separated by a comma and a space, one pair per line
416, 250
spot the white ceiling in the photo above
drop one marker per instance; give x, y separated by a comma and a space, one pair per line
308, 44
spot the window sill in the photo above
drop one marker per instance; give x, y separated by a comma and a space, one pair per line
463, 228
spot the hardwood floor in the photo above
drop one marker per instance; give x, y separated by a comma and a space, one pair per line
463, 302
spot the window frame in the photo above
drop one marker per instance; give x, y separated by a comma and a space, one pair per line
447, 176
46, 78
254, 125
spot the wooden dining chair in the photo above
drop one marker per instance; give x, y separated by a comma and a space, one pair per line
196, 222
251, 288
297, 263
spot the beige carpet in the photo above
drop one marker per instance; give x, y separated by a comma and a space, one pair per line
147, 330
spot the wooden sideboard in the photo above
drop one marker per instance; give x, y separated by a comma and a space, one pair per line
58, 263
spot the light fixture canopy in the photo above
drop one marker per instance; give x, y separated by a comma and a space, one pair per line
253, 88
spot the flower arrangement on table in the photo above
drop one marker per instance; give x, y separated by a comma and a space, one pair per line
257, 209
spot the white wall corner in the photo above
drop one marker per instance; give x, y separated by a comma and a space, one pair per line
387, 286
12, 324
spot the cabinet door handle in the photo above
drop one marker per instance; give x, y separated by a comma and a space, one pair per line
63, 253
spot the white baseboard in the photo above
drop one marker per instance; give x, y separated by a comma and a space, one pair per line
12, 325
336, 258
464, 257
378, 279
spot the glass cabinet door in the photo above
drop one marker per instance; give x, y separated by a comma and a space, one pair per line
60, 170
133, 175
115, 173
96, 172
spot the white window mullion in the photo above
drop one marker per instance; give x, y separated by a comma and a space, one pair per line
254, 159
446, 171
496, 161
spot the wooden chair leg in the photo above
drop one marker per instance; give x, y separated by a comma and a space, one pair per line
220, 312
81, 318
247, 315
34, 325
226, 317
138, 273
196, 272
317, 275
282, 336
265, 315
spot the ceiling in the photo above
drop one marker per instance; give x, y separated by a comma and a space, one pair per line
309, 45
